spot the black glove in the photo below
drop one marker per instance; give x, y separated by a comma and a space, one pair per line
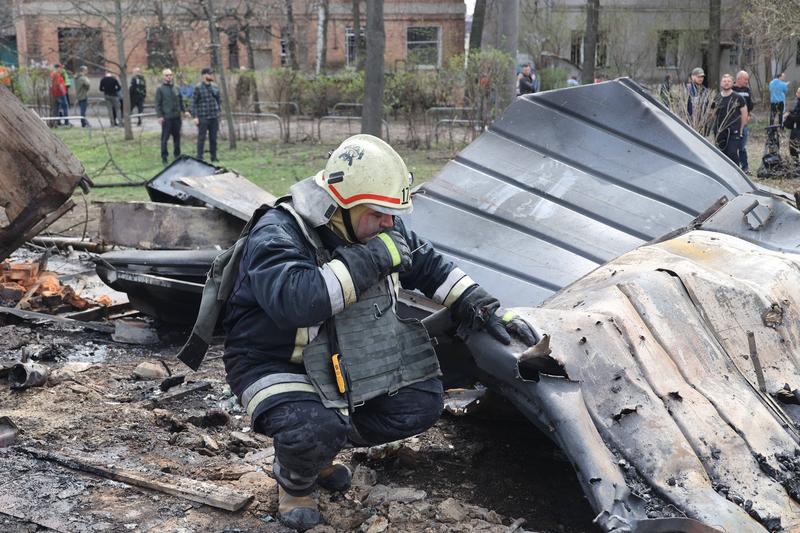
476, 310
385, 253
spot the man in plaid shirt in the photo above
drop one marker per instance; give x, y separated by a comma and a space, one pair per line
205, 110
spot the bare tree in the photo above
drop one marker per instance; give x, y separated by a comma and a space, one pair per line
372, 114
322, 35
288, 35
590, 40
714, 17
114, 18
476, 31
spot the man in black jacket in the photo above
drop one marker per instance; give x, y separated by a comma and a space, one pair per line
169, 110
314, 348
730, 116
138, 92
110, 88
205, 109
792, 122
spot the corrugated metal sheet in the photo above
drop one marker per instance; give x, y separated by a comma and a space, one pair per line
664, 391
565, 181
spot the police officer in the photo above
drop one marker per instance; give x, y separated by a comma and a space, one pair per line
314, 349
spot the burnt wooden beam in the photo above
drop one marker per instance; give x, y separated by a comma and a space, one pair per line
38, 173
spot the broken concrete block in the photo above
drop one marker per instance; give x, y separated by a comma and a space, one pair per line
149, 370
375, 524
257, 483
243, 439
383, 494
261, 457
364, 477
451, 510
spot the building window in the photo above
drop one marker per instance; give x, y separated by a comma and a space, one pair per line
260, 42
600, 50
160, 48
233, 48
81, 46
284, 52
350, 45
576, 48
422, 46
667, 51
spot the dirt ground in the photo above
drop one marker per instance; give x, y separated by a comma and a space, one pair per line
476, 473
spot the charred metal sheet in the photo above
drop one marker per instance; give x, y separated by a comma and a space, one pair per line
184, 265
228, 192
766, 220
38, 174
565, 181
160, 188
159, 226
163, 284
663, 390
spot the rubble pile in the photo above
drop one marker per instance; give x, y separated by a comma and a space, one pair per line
25, 285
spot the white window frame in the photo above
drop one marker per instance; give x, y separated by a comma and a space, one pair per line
438, 43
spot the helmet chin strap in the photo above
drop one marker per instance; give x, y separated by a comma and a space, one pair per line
348, 225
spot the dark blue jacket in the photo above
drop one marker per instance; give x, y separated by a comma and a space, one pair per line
280, 288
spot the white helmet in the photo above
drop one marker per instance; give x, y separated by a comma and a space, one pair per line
366, 170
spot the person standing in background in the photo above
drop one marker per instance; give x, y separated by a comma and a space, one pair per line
137, 93
778, 89
110, 88
82, 94
742, 87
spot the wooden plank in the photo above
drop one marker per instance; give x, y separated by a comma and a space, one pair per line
158, 226
203, 492
33, 316
38, 173
228, 192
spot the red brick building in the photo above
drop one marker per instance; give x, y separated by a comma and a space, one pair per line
418, 32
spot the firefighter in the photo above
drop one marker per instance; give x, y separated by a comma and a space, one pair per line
314, 349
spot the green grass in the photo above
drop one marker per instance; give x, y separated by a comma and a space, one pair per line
271, 165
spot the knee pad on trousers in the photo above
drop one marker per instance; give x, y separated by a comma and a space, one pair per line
307, 436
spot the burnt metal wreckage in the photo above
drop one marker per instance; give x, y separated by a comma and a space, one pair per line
661, 280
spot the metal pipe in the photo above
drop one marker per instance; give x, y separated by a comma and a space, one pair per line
24, 375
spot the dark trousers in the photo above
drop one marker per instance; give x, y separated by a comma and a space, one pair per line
743, 163
307, 435
171, 126
82, 107
63, 108
210, 125
729, 142
794, 149
139, 106
776, 111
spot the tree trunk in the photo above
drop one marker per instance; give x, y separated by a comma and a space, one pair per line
219, 68
357, 34
291, 44
713, 43
508, 43
322, 36
476, 31
119, 37
372, 114
590, 40
248, 43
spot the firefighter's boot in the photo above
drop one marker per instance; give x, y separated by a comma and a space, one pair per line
298, 512
335, 478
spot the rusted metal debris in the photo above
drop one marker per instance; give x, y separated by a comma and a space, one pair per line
38, 174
